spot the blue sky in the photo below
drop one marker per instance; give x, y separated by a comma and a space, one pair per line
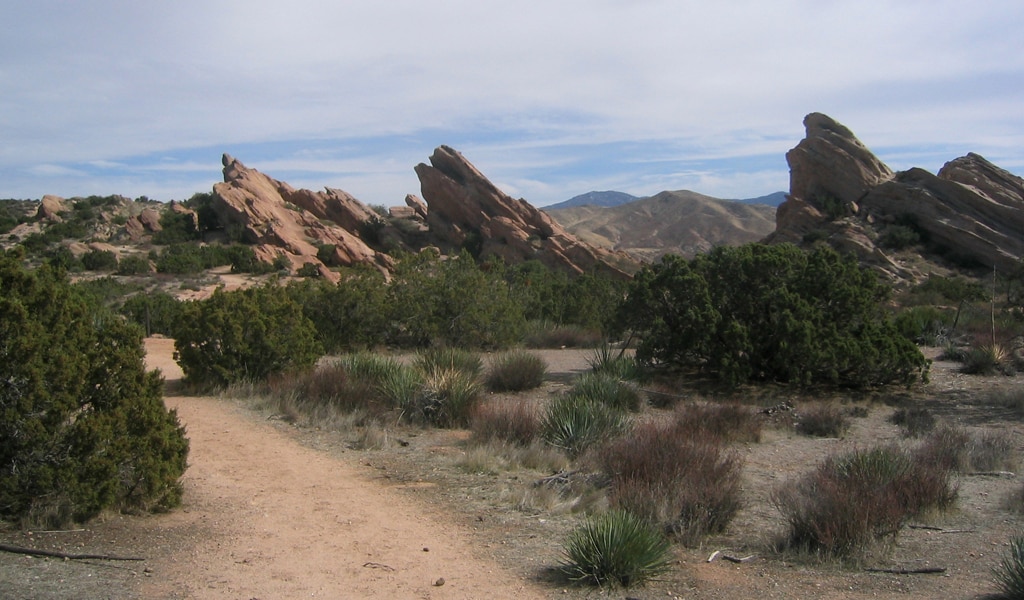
548, 99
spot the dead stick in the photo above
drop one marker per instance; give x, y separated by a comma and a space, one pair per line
733, 559
908, 571
54, 554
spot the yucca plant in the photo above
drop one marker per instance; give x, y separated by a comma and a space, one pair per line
616, 548
435, 359
607, 389
1009, 573
447, 397
399, 388
615, 363
574, 423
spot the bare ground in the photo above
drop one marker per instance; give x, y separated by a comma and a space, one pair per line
276, 511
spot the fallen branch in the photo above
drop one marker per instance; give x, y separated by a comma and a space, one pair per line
64, 555
921, 571
732, 559
373, 565
991, 474
939, 529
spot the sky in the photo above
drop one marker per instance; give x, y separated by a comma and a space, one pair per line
548, 99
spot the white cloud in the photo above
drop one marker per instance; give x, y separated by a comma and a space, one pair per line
109, 83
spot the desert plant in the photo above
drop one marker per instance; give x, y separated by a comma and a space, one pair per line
823, 420
1009, 573
853, 499
400, 386
914, 421
615, 363
544, 334
573, 423
684, 481
83, 426
946, 446
615, 548
509, 420
243, 334
730, 421
515, 371
985, 359
435, 359
607, 389
447, 398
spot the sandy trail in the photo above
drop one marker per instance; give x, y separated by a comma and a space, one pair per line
265, 517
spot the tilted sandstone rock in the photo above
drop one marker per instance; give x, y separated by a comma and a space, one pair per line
971, 209
50, 208
466, 210
280, 220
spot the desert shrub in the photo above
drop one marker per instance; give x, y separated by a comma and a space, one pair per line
986, 359
99, 260
401, 386
924, 324
515, 371
507, 420
914, 421
608, 390
615, 548
823, 420
243, 334
947, 447
769, 313
616, 363
729, 421
311, 270
349, 316
992, 451
853, 499
898, 237
574, 423
447, 397
156, 312
1009, 572
176, 228
435, 359
685, 481
332, 387
370, 367
545, 334
1012, 398
83, 426
133, 265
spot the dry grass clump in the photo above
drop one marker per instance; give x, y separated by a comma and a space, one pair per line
449, 359
856, 498
515, 371
823, 420
543, 334
955, 449
914, 421
685, 481
508, 420
730, 422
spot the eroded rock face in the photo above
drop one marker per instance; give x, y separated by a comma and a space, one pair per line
971, 209
280, 220
465, 210
50, 208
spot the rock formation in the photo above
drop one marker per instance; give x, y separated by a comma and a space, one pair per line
971, 210
282, 221
50, 208
465, 210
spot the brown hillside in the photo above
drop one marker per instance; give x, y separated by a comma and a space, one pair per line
681, 222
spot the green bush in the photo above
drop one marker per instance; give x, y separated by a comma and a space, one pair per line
1009, 573
99, 260
898, 237
83, 426
157, 312
574, 423
769, 313
352, 315
437, 359
608, 390
176, 228
615, 548
616, 363
243, 335
515, 371
133, 265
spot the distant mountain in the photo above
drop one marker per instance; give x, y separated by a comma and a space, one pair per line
681, 222
609, 198
771, 199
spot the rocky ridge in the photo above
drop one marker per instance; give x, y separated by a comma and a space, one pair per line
466, 210
970, 213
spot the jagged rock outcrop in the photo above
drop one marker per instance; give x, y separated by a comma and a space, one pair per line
50, 208
839, 191
280, 220
146, 222
466, 210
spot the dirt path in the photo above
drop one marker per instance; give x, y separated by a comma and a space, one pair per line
265, 517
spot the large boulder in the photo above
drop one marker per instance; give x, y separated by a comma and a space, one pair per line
466, 210
50, 208
280, 220
971, 210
